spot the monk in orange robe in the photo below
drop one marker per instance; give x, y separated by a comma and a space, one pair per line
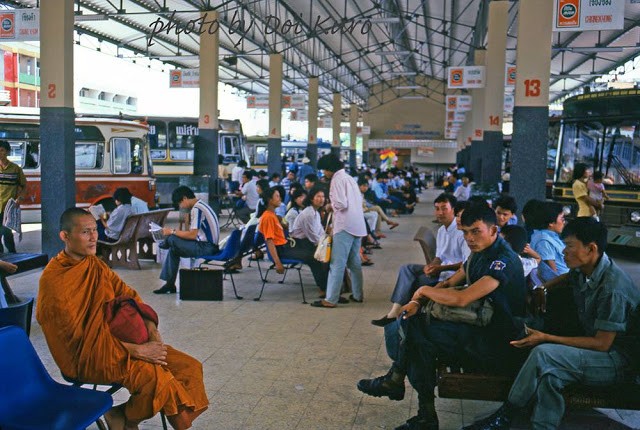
74, 288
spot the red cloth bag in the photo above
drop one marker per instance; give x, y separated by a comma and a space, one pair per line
126, 316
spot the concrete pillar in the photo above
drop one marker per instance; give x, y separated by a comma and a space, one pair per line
365, 147
274, 141
205, 157
494, 93
531, 112
337, 119
57, 116
312, 145
353, 134
477, 116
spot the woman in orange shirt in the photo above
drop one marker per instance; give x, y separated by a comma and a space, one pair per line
280, 248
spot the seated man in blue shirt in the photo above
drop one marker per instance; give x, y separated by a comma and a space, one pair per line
201, 238
607, 301
493, 271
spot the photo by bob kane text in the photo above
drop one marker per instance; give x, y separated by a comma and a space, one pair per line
272, 25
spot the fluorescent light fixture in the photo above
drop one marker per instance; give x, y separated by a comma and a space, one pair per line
404, 73
408, 87
93, 17
578, 75
393, 53
385, 20
238, 80
413, 97
174, 57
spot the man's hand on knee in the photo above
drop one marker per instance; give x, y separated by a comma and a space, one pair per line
153, 352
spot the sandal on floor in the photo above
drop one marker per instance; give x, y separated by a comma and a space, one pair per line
322, 304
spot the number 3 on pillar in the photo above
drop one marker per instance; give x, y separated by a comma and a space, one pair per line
532, 88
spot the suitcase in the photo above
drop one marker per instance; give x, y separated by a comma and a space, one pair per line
201, 284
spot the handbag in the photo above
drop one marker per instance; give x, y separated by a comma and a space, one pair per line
478, 313
125, 318
323, 249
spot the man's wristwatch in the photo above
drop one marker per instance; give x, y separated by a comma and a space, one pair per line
173, 231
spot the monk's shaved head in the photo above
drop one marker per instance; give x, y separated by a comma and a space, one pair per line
68, 218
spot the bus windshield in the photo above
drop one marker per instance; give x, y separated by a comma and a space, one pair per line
610, 147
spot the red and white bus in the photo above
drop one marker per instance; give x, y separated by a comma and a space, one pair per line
110, 153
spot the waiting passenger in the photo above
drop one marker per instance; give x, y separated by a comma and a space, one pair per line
587, 206
201, 238
531, 213
296, 205
109, 229
139, 206
516, 237
369, 206
12, 186
506, 208
451, 252
278, 246
463, 192
547, 243
494, 271
74, 288
608, 302
249, 196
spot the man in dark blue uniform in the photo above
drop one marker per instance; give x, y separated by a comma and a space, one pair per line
414, 343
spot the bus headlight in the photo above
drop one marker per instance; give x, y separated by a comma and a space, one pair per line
566, 210
635, 216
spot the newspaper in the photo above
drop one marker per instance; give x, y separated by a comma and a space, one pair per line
156, 232
97, 211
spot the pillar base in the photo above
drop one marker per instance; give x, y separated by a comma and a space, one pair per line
274, 159
205, 153
335, 150
312, 154
352, 159
492, 146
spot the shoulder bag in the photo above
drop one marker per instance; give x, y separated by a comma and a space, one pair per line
323, 249
478, 313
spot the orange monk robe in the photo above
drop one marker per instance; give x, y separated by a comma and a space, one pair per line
70, 309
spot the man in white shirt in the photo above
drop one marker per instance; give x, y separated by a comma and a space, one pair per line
463, 192
451, 252
236, 174
249, 194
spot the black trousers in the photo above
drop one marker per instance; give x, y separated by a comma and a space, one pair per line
304, 250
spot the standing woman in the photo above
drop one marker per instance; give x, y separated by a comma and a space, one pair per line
279, 247
586, 205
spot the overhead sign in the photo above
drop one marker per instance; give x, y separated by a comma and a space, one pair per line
459, 103
465, 77
184, 78
325, 122
20, 25
582, 15
299, 115
293, 101
510, 76
366, 130
509, 103
457, 117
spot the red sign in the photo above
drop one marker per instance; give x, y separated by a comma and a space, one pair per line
456, 77
568, 14
7, 26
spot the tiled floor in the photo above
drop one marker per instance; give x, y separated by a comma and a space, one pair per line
280, 364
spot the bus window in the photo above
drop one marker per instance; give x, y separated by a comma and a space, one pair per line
121, 155
182, 138
89, 155
157, 140
261, 155
230, 149
16, 155
32, 159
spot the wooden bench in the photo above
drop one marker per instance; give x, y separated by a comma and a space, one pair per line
454, 383
25, 262
427, 240
135, 241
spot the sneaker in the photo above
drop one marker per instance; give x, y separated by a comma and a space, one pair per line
166, 289
382, 386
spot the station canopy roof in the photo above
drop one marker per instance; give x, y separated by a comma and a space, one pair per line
403, 39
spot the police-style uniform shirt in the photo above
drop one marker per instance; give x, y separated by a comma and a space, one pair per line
608, 300
502, 264
205, 220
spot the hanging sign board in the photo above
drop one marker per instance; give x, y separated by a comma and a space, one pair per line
299, 115
184, 78
19, 25
366, 130
258, 101
510, 76
582, 15
325, 122
293, 101
509, 103
465, 77
459, 103
456, 117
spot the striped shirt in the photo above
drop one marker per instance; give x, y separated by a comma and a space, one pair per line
11, 178
204, 219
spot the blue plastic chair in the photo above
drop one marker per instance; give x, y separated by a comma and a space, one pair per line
18, 314
30, 399
227, 255
288, 263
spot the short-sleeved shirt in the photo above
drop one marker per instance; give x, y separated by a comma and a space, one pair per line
502, 264
307, 225
139, 206
608, 300
11, 178
250, 191
580, 190
548, 244
271, 228
116, 221
451, 248
205, 220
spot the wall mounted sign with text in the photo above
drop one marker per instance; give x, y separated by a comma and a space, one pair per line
582, 15
19, 25
465, 77
459, 103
